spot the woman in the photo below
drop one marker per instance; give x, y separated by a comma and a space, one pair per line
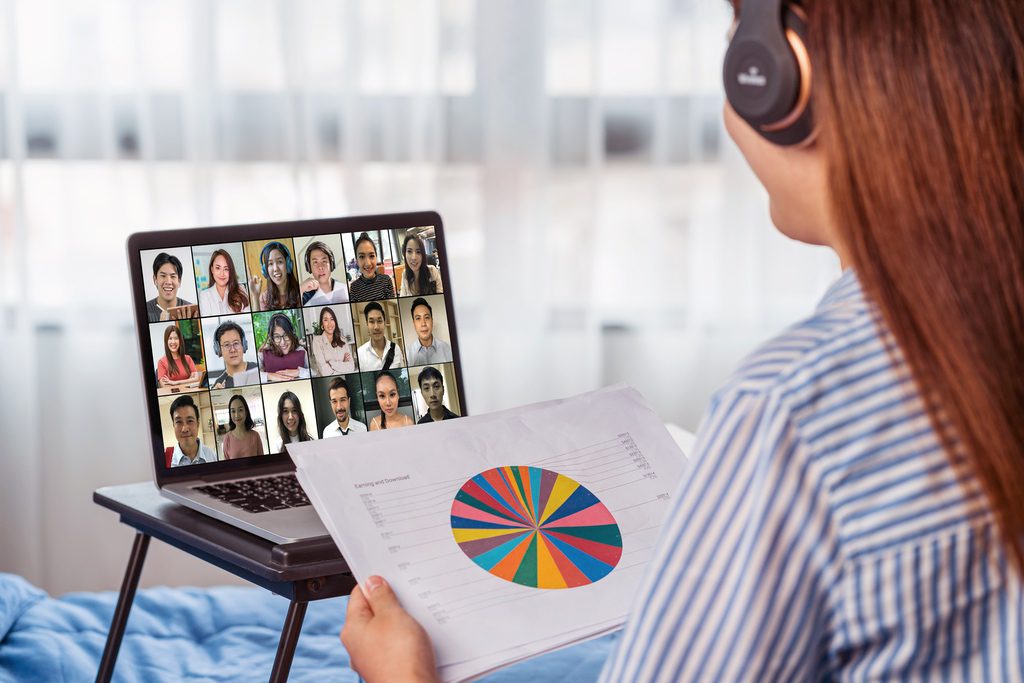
329, 353
291, 422
282, 286
282, 358
853, 509
241, 441
176, 367
420, 277
224, 296
387, 398
370, 285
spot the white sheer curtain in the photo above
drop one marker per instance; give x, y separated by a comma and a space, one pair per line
601, 226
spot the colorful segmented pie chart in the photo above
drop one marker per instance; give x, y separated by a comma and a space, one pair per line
535, 527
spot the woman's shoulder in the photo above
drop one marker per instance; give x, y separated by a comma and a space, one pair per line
842, 329
835, 385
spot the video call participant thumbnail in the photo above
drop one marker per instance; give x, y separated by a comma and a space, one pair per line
225, 295
176, 367
420, 277
242, 440
330, 354
229, 343
386, 388
426, 348
370, 285
167, 272
279, 272
291, 422
321, 288
185, 418
379, 353
282, 356
341, 399
432, 389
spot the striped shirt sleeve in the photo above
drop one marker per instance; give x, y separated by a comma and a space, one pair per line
738, 588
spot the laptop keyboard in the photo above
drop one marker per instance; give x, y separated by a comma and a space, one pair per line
278, 492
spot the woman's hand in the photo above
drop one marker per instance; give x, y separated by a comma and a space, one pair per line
282, 375
384, 643
255, 291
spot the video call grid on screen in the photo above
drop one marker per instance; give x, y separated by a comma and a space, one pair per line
276, 300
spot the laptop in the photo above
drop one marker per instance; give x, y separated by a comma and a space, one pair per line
252, 337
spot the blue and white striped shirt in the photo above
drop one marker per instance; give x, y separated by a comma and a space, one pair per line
821, 532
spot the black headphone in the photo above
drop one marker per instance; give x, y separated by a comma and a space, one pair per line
322, 247
224, 327
767, 71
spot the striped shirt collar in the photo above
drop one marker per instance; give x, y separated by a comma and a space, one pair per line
845, 290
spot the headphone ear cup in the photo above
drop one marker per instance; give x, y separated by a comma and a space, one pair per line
767, 74
798, 127
216, 347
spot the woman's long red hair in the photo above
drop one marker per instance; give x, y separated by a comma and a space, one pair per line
921, 111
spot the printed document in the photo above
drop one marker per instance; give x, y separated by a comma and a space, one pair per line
505, 535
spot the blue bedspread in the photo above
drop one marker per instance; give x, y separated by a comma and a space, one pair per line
215, 634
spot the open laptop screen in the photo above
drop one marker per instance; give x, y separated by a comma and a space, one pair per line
275, 338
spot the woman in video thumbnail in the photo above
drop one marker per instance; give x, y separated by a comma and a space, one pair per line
176, 367
291, 422
241, 441
329, 353
282, 285
224, 296
387, 397
370, 284
420, 277
282, 356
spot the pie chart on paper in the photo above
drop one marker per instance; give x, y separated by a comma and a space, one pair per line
535, 527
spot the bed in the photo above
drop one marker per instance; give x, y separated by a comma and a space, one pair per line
213, 634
